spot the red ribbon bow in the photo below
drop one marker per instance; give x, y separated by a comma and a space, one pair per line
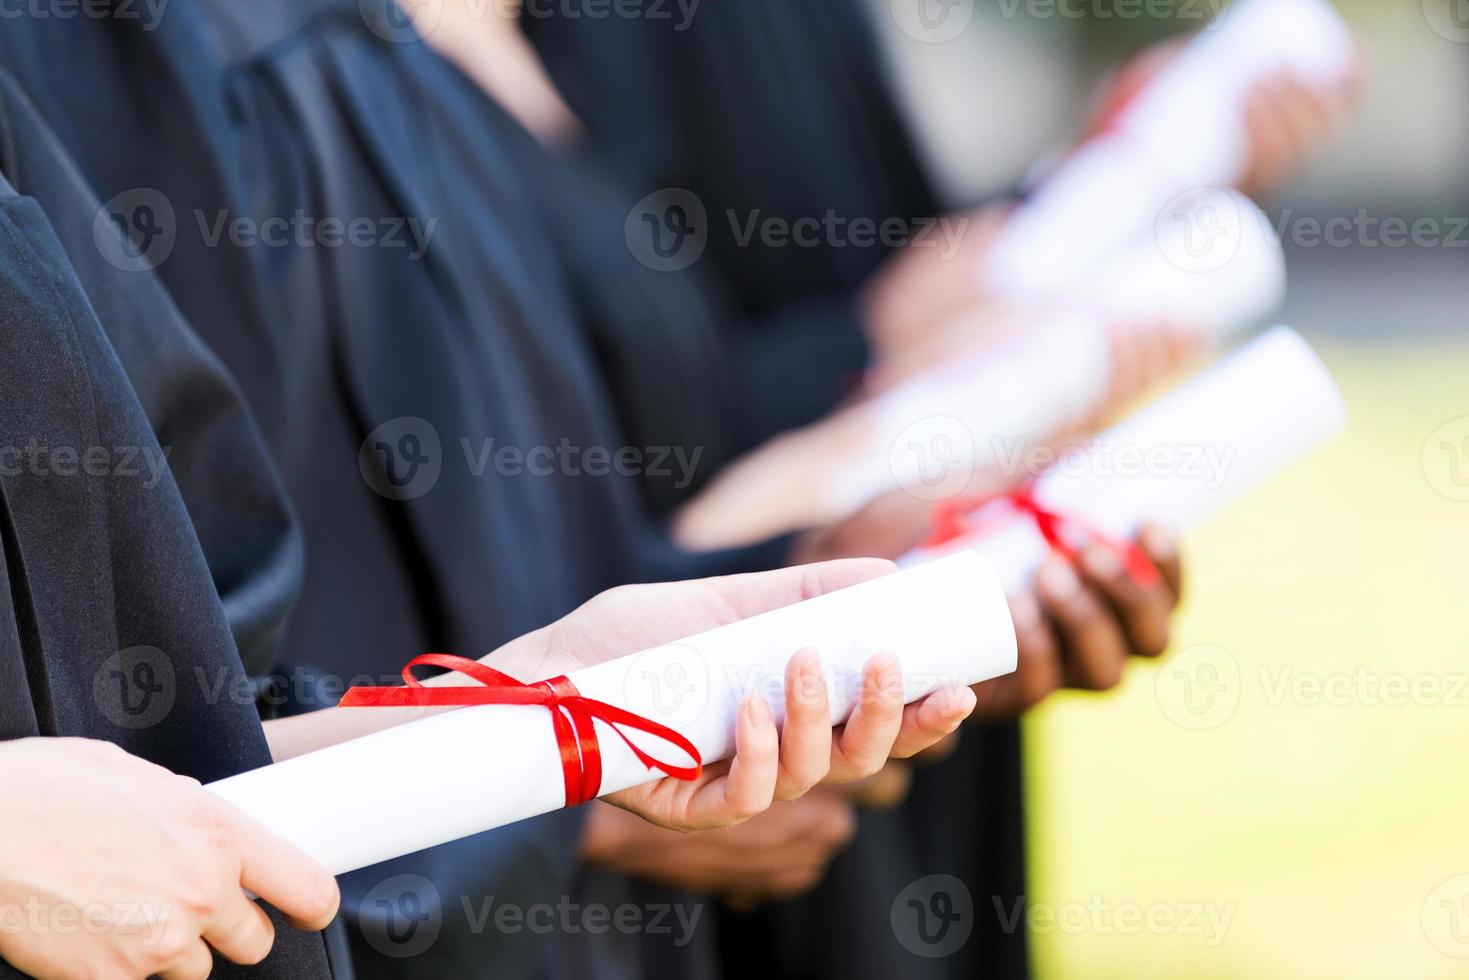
1060, 530
572, 717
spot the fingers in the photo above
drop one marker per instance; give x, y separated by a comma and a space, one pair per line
1037, 666
1183, 344
930, 720
1095, 647
1152, 352
815, 830
1126, 369
1287, 120
869, 734
883, 791
1162, 549
241, 932
1038, 670
1142, 613
282, 874
1310, 112
833, 821
1272, 146
938, 751
194, 963
1147, 352
805, 742
748, 787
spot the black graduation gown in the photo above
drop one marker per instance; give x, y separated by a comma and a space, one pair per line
100, 84
459, 336
661, 341
781, 109
110, 623
766, 110
293, 359
103, 80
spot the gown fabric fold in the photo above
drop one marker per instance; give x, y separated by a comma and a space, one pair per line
477, 339
768, 111
110, 623
315, 113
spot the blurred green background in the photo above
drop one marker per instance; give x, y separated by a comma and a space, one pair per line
1287, 795
1297, 767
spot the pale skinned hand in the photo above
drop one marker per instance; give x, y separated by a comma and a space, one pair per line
778, 476
768, 766
111, 866
1289, 122
777, 854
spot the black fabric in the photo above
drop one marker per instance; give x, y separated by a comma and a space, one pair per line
129, 100
112, 627
660, 340
764, 109
476, 338
318, 115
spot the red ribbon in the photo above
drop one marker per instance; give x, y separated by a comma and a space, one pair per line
572, 717
1059, 530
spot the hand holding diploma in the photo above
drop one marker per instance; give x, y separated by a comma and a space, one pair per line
1051, 371
1287, 118
1078, 615
633, 618
466, 770
1195, 450
1078, 626
1245, 104
1238, 106
151, 868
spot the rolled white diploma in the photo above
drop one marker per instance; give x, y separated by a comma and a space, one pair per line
1181, 458
1052, 374
473, 769
1184, 131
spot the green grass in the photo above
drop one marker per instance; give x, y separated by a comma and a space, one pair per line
1320, 828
